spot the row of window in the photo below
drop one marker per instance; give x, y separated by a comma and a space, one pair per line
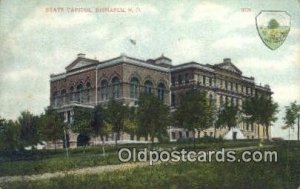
205, 80
134, 89
229, 100
180, 79
174, 99
104, 91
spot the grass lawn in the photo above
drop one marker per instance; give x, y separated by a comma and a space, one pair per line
282, 174
52, 161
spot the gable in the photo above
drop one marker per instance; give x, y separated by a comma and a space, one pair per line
229, 67
80, 62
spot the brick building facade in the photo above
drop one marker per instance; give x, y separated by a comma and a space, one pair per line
89, 82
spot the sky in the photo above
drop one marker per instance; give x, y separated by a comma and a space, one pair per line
37, 41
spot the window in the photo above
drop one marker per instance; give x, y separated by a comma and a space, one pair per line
72, 97
134, 85
231, 86
173, 81
226, 100
55, 99
116, 87
237, 102
161, 91
187, 78
179, 79
187, 134
221, 100
221, 83
226, 85
232, 101
173, 100
173, 135
148, 87
63, 95
211, 134
210, 81
79, 93
180, 134
68, 116
104, 90
88, 88
204, 80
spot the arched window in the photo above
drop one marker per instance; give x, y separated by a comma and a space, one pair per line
161, 91
134, 84
79, 93
148, 87
104, 90
55, 98
116, 87
63, 95
88, 89
72, 95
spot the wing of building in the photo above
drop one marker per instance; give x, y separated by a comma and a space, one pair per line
88, 82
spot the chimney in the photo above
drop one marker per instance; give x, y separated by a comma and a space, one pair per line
227, 60
81, 55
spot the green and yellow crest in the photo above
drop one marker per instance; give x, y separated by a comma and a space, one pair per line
273, 27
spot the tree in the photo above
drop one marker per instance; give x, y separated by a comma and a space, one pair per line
269, 114
291, 113
115, 115
227, 117
98, 123
153, 116
130, 124
82, 125
9, 135
194, 112
29, 133
273, 24
262, 110
52, 126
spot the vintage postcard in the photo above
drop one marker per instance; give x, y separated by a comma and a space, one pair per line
150, 94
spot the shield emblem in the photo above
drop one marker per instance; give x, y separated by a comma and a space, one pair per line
273, 27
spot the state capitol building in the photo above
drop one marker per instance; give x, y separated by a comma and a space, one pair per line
89, 82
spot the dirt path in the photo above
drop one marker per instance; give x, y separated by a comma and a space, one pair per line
97, 169
87, 170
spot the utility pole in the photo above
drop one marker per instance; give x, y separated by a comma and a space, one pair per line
66, 144
298, 127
